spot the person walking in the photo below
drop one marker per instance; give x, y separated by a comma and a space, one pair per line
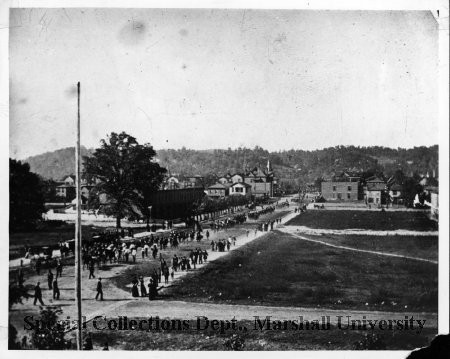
38, 294
91, 269
50, 279
166, 275
175, 262
55, 289
59, 268
99, 289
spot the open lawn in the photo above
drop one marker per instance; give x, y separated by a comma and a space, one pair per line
193, 339
413, 246
329, 219
279, 269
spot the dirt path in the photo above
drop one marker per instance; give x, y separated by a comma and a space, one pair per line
118, 302
356, 231
114, 296
292, 232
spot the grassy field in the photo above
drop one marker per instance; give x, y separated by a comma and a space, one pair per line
413, 246
192, 339
279, 269
329, 219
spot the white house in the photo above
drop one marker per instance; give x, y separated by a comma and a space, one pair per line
240, 188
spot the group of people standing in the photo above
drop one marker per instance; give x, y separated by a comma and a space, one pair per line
139, 289
256, 214
222, 244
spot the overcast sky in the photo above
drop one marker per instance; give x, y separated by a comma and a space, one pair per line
217, 79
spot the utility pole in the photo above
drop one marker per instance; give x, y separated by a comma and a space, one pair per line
78, 230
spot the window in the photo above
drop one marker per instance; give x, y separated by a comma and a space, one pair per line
348, 196
349, 188
334, 188
339, 195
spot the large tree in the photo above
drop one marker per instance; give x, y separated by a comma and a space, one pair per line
26, 196
125, 172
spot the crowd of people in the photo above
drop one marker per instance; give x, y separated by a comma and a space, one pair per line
112, 247
256, 214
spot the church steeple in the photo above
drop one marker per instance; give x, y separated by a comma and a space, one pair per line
269, 166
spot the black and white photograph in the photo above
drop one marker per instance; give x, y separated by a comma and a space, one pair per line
202, 177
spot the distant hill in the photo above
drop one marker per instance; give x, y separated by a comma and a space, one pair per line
57, 164
293, 165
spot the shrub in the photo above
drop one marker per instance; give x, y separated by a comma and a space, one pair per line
371, 341
51, 336
235, 342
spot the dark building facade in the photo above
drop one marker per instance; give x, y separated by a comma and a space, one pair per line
175, 203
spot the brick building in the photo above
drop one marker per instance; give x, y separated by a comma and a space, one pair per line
346, 187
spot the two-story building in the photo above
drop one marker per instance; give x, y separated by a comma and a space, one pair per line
343, 187
261, 181
66, 187
375, 191
193, 181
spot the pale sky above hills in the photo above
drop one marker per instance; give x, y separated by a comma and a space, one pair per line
217, 78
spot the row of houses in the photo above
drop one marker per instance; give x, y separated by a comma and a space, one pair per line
259, 183
374, 190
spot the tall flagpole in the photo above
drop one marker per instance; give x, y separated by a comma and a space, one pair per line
78, 230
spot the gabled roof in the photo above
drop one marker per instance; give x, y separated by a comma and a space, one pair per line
246, 185
260, 173
374, 179
219, 186
376, 187
71, 176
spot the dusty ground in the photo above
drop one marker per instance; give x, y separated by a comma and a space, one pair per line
110, 273
118, 302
